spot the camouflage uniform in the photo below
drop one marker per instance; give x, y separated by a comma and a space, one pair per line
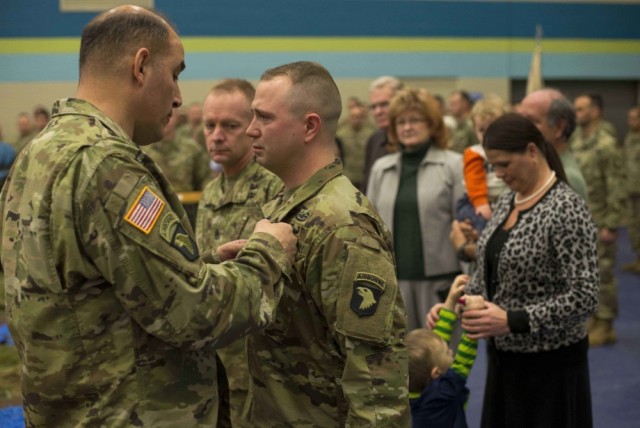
23, 141
183, 161
601, 165
632, 157
197, 135
354, 144
229, 210
463, 136
113, 310
335, 354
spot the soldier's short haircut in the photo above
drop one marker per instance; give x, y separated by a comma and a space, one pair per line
465, 97
386, 81
597, 101
561, 110
41, 111
113, 35
313, 89
421, 344
232, 85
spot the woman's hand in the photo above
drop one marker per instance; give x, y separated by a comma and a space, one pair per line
483, 323
468, 231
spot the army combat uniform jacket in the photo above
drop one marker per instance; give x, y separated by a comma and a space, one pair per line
113, 310
601, 164
183, 162
229, 209
334, 355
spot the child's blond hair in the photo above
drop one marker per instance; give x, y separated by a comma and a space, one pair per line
421, 344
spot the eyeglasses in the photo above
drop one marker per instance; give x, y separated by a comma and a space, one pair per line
381, 104
411, 121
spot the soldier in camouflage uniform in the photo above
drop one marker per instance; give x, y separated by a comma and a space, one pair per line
463, 135
354, 132
231, 204
632, 156
601, 165
334, 356
114, 311
26, 132
182, 160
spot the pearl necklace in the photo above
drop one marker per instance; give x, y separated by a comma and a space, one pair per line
537, 192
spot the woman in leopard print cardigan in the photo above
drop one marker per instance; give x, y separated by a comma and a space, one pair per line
538, 268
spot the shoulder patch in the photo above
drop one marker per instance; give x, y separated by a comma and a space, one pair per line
184, 243
145, 210
367, 289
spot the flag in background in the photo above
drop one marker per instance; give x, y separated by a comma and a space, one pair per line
534, 82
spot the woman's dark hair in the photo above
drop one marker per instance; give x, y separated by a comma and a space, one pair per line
513, 132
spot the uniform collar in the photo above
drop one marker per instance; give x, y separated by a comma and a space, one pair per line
76, 106
304, 192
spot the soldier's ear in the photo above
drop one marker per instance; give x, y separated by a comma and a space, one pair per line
139, 66
312, 123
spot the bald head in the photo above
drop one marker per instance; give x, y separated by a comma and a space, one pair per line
551, 112
117, 34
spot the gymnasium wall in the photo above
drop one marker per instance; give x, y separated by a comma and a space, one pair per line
481, 46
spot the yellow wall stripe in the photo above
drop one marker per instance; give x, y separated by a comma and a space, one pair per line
345, 44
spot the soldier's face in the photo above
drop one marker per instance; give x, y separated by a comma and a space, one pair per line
582, 106
278, 135
24, 125
634, 120
160, 93
226, 117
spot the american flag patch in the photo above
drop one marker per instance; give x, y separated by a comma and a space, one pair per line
145, 211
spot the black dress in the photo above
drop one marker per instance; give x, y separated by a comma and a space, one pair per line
538, 389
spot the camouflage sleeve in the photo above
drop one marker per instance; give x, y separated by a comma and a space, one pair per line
367, 318
201, 171
140, 245
615, 195
2, 298
204, 239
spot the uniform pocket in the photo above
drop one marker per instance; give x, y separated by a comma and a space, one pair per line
367, 296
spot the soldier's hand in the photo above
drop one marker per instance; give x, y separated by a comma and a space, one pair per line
230, 250
283, 233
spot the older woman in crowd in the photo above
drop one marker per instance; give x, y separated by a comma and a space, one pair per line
415, 192
538, 269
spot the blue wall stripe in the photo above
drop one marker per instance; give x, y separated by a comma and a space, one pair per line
63, 67
41, 18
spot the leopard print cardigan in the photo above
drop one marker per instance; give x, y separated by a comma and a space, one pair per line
548, 267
